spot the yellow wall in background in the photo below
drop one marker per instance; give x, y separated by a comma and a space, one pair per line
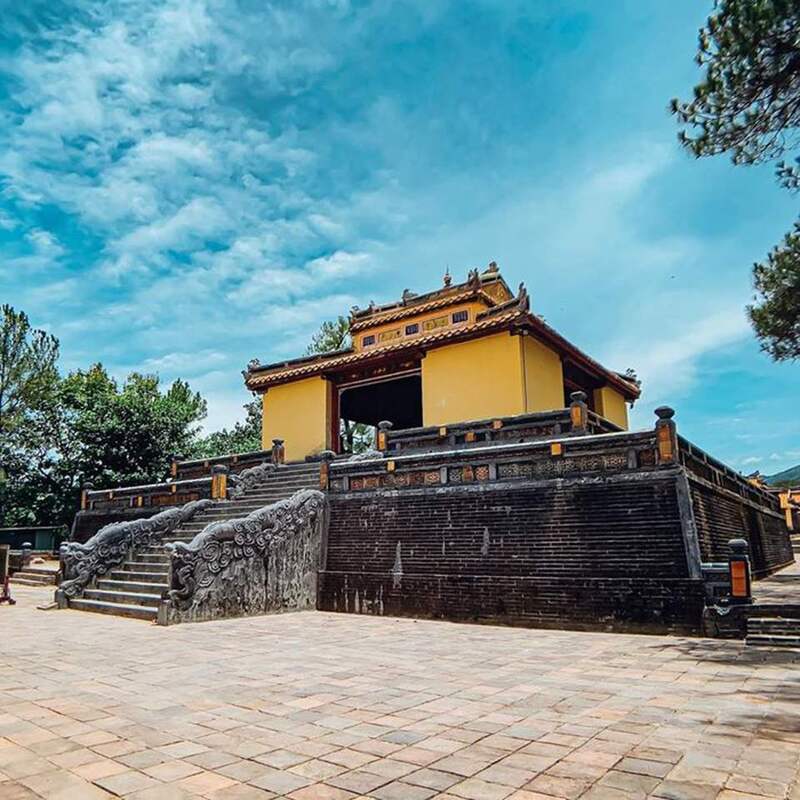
299, 413
544, 377
610, 404
476, 379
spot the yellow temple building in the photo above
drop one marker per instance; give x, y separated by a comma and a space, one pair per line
467, 351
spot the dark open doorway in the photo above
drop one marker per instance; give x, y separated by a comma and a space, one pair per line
398, 400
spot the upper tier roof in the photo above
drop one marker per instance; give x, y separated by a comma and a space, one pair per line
502, 311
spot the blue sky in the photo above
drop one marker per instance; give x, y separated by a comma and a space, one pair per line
187, 184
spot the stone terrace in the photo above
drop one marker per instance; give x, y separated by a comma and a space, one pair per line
315, 705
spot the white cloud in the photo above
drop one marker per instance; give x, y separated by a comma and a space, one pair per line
7, 222
44, 243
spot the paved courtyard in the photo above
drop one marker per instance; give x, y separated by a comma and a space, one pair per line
332, 706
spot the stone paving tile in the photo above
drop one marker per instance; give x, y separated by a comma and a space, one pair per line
334, 707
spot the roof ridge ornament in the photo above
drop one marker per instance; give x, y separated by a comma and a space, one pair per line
523, 298
473, 279
448, 278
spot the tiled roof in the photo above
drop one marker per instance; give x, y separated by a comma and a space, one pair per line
261, 379
412, 310
496, 319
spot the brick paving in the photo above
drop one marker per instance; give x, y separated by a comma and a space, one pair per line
314, 706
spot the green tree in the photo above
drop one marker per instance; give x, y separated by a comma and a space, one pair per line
332, 336
94, 429
27, 367
28, 378
244, 437
748, 105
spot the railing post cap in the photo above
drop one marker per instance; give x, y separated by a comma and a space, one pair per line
385, 425
278, 442
738, 547
220, 469
665, 412
578, 397
87, 486
27, 546
327, 455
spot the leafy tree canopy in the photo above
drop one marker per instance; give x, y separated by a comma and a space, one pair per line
244, 437
748, 105
332, 335
89, 428
27, 367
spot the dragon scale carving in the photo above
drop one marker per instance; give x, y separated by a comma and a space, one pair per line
367, 455
250, 478
109, 547
267, 560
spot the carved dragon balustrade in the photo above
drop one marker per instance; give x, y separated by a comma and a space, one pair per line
265, 561
110, 546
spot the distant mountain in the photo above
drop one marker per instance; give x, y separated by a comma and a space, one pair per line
791, 475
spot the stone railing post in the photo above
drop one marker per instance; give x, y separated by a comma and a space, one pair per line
740, 571
219, 482
578, 412
173, 465
325, 469
666, 435
278, 451
382, 439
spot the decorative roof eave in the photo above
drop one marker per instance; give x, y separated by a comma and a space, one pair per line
541, 330
373, 314
515, 318
263, 379
412, 310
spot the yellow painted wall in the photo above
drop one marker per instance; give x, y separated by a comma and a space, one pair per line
299, 413
476, 379
474, 309
544, 377
610, 404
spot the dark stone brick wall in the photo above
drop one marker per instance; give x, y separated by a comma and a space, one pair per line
720, 516
615, 604
601, 553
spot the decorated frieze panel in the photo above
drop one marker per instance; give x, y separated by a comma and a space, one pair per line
377, 370
176, 499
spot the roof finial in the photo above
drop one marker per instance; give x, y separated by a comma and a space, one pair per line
492, 267
523, 300
448, 278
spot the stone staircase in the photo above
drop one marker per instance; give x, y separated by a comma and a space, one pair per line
135, 589
773, 632
35, 576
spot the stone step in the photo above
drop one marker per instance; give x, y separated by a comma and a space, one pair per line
147, 566
28, 577
28, 582
152, 558
124, 598
34, 570
145, 587
770, 640
783, 626
119, 609
138, 577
